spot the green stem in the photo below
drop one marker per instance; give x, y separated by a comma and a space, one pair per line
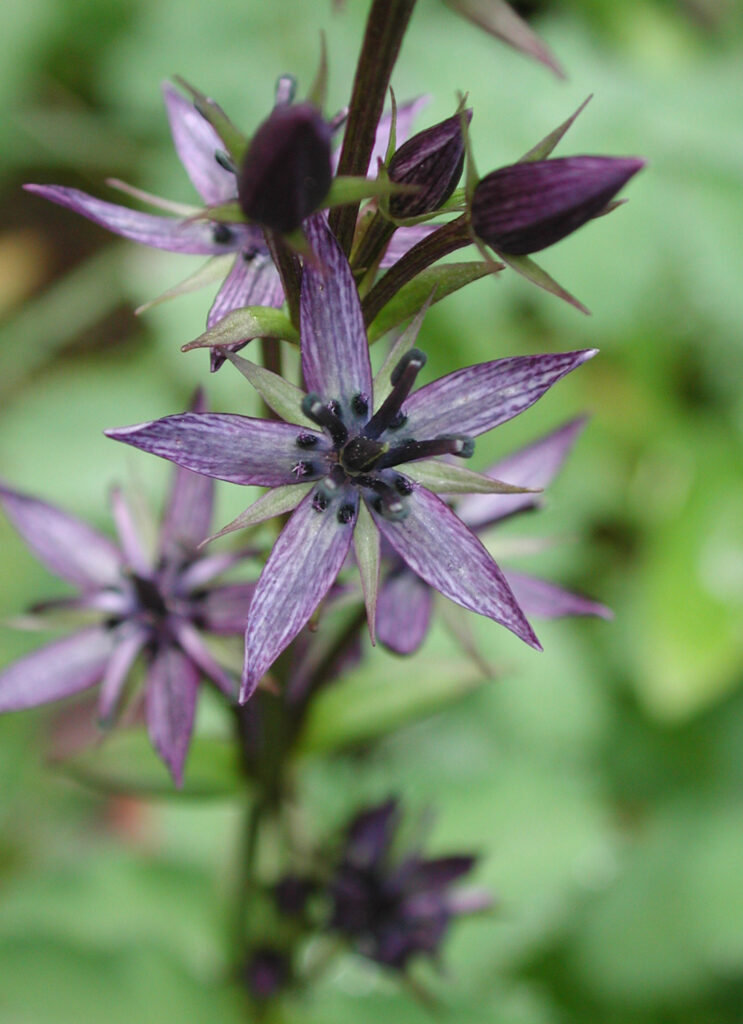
246, 868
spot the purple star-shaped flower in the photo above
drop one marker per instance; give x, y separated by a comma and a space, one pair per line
340, 473
405, 600
153, 606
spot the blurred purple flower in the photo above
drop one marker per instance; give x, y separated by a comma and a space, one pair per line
393, 909
340, 473
405, 600
153, 606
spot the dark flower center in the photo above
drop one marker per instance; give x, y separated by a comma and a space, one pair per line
149, 598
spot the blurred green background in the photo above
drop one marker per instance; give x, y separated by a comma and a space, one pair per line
600, 781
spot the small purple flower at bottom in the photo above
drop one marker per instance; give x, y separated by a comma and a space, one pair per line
156, 607
393, 909
405, 601
341, 473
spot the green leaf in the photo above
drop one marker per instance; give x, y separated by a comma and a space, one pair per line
366, 547
224, 213
441, 280
450, 478
126, 763
245, 324
346, 190
543, 149
532, 272
281, 396
275, 502
234, 141
381, 697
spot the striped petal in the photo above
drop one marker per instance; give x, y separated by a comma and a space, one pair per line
196, 142
253, 281
189, 508
403, 611
172, 683
57, 670
476, 399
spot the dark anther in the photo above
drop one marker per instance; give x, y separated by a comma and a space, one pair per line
387, 502
249, 254
335, 407
403, 486
307, 440
224, 161
360, 454
303, 469
398, 421
221, 234
346, 513
148, 595
320, 501
360, 405
402, 379
409, 451
314, 407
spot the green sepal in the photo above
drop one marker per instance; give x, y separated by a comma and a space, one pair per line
440, 280
222, 213
450, 478
245, 324
275, 502
215, 269
234, 141
500, 20
279, 394
543, 149
533, 272
378, 699
382, 383
318, 90
126, 763
392, 141
366, 545
346, 190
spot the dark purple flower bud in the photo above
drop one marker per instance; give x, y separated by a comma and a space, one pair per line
432, 160
286, 170
266, 973
527, 206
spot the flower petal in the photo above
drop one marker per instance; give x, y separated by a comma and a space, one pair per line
403, 611
172, 683
170, 233
128, 642
304, 562
188, 513
129, 536
225, 609
335, 350
253, 281
66, 545
478, 398
402, 240
197, 651
238, 449
538, 597
57, 670
534, 466
406, 115
450, 558
196, 142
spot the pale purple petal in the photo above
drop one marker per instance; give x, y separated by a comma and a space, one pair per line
57, 670
238, 449
196, 142
449, 557
478, 398
131, 542
534, 466
129, 641
198, 652
402, 240
188, 513
204, 569
335, 350
172, 683
171, 233
253, 281
537, 597
403, 611
67, 546
225, 609
303, 564
406, 115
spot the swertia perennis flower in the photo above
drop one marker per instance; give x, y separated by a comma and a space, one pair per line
155, 606
336, 463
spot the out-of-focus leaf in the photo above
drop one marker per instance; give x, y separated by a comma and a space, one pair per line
245, 324
500, 20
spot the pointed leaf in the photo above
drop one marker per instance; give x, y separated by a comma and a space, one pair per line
366, 545
526, 266
252, 281
244, 324
278, 394
275, 502
501, 21
317, 93
451, 478
543, 149
215, 269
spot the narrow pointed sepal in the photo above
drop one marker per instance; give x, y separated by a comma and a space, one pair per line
366, 545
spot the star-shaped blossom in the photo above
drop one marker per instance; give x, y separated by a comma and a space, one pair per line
153, 606
405, 600
336, 462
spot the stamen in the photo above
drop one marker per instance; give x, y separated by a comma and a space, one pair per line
249, 255
360, 454
221, 234
346, 513
360, 404
403, 485
307, 440
410, 451
387, 502
314, 407
224, 161
303, 469
402, 379
319, 501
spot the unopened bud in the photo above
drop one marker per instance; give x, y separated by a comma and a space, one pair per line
433, 161
286, 172
525, 207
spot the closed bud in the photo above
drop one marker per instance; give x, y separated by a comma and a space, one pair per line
286, 172
527, 206
433, 161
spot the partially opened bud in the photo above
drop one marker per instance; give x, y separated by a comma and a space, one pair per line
286, 172
527, 206
432, 160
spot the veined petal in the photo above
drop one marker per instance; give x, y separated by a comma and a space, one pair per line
534, 466
253, 281
188, 513
450, 558
193, 645
478, 398
128, 642
406, 115
238, 449
403, 611
548, 601
131, 542
172, 683
225, 609
66, 545
335, 350
303, 564
196, 142
170, 233
57, 670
